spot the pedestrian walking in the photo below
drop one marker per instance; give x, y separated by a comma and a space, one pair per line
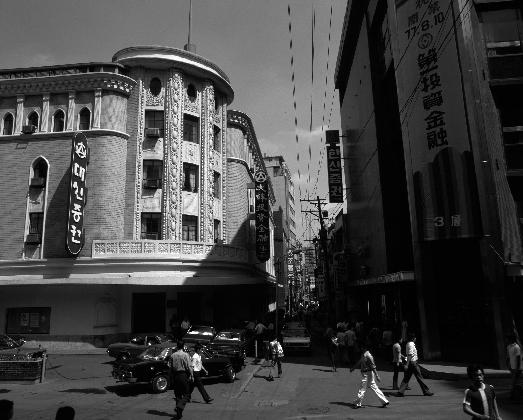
276, 355
6, 409
412, 368
65, 413
198, 369
513, 363
182, 374
259, 334
332, 346
184, 326
369, 376
397, 363
480, 398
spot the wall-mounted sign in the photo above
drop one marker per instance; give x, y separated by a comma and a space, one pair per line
77, 193
334, 167
263, 243
434, 121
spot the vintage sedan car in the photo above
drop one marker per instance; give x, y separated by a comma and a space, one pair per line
135, 346
199, 334
16, 346
152, 367
296, 338
231, 343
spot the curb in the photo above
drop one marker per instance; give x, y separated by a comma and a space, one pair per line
248, 381
455, 376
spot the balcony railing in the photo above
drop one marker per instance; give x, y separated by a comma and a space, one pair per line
168, 250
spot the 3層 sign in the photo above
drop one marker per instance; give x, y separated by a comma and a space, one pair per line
334, 167
263, 246
77, 194
434, 122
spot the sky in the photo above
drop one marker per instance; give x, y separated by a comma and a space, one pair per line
248, 39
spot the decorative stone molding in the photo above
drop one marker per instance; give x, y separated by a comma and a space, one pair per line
168, 249
210, 162
223, 133
71, 111
139, 161
19, 113
191, 153
66, 83
44, 124
192, 106
172, 199
97, 113
155, 100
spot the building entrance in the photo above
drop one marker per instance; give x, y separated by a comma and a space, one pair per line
148, 313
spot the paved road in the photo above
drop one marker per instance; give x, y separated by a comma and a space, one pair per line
307, 390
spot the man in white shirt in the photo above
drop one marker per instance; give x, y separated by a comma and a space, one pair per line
513, 363
412, 368
198, 368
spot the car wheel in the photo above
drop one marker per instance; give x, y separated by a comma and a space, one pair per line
160, 383
230, 374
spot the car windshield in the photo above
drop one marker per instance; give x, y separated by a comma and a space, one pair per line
200, 331
155, 353
295, 333
228, 335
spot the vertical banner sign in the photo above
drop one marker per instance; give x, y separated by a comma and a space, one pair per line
77, 193
434, 125
334, 167
263, 245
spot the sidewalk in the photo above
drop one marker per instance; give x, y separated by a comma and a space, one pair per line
453, 371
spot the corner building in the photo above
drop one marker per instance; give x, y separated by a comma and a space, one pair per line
157, 240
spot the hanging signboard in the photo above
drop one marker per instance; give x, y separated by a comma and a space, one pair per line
334, 167
77, 194
434, 123
262, 215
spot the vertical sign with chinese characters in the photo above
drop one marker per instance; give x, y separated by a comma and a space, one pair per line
434, 124
77, 194
263, 244
334, 167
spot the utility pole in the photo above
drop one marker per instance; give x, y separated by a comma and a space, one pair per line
323, 243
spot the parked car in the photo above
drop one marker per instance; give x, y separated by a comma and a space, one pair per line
202, 334
231, 343
16, 346
136, 345
152, 367
296, 338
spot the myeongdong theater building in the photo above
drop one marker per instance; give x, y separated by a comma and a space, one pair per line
166, 199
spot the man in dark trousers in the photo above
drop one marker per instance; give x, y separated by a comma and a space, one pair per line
198, 369
412, 368
182, 376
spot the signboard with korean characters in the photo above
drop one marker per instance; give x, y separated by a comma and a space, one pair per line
436, 137
334, 167
262, 215
77, 195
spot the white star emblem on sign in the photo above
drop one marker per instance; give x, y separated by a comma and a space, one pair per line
80, 150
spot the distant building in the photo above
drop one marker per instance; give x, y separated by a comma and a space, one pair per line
165, 199
284, 213
429, 95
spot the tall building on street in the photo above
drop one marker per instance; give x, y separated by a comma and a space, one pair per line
164, 214
429, 106
284, 213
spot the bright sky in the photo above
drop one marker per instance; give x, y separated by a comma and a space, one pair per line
248, 39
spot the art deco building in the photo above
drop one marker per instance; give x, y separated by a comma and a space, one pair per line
160, 238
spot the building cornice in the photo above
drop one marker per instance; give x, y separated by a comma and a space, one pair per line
63, 134
66, 83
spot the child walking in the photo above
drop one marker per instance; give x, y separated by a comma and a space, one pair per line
368, 376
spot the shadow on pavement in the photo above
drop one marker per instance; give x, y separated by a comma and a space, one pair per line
129, 390
345, 404
85, 390
323, 370
159, 413
4, 391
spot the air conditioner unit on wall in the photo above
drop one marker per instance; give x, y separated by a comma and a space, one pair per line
28, 129
33, 238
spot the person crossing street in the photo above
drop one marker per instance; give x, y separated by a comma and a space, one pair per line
412, 368
369, 376
198, 368
182, 374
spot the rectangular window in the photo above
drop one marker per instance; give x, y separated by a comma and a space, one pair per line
28, 320
36, 223
276, 171
152, 173
155, 119
217, 139
189, 228
190, 177
191, 130
503, 25
217, 185
217, 230
151, 226
251, 199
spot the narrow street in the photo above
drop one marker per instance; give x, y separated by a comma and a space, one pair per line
307, 390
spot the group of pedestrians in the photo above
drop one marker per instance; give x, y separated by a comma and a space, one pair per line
186, 373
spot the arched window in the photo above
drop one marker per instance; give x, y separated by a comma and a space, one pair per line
40, 168
8, 124
191, 92
32, 119
59, 121
155, 86
85, 119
